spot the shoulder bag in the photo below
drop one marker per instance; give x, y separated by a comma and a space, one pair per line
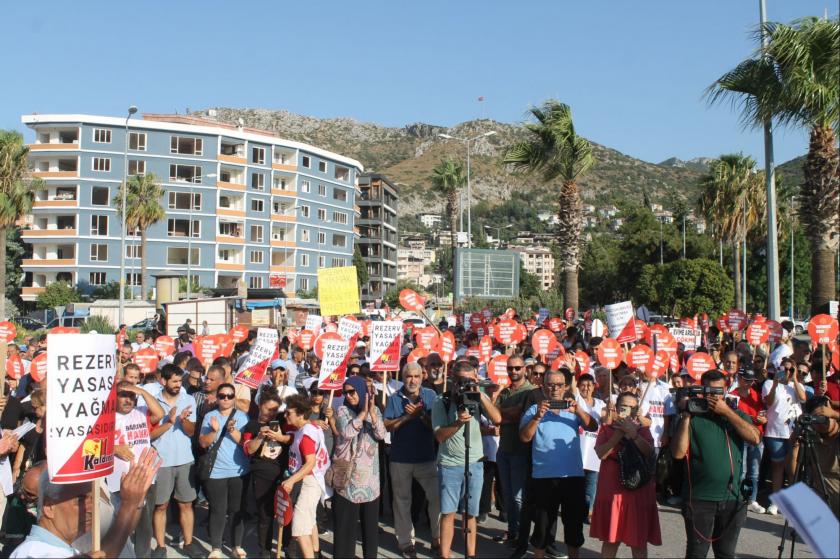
204, 464
634, 468
341, 470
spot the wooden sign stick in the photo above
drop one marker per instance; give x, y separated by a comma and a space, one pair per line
95, 539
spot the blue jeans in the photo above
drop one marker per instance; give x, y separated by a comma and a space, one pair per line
591, 487
752, 463
513, 472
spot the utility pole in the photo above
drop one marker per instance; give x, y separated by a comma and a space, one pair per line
683, 236
773, 299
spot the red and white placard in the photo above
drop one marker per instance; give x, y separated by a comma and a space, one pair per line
823, 329
385, 344
621, 322
698, 364
609, 353
497, 370
263, 350
336, 355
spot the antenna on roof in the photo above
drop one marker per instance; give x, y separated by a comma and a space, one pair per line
241, 123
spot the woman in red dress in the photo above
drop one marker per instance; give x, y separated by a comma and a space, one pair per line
624, 515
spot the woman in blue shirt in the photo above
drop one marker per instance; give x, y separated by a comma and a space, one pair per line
224, 489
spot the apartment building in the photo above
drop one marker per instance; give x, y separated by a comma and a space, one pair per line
240, 203
539, 261
378, 200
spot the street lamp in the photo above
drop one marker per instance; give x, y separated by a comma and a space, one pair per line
467, 141
131, 110
498, 232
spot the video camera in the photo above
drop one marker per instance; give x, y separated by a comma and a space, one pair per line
466, 394
697, 404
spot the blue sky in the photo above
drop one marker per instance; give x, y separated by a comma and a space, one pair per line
633, 72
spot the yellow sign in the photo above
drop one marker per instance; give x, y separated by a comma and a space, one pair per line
338, 291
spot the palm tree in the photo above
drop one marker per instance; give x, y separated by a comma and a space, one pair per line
447, 180
733, 200
796, 81
143, 209
16, 188
555, 151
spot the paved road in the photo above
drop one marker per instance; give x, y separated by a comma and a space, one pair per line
759, 538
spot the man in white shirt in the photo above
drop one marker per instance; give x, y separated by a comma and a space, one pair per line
783, 396
657, 404
139, 342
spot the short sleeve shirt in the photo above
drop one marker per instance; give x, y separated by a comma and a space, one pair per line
715, 454
451, 451
230, 460
413, 442
509, 441
783, 412
657, 403
174, 446
555, 448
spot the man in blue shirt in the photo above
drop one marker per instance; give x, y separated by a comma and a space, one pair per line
408, 418
557, 464
172, 440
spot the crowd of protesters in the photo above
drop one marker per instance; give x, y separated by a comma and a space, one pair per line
552, 446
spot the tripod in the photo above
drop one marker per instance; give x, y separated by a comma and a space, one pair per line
805, 436
464, 526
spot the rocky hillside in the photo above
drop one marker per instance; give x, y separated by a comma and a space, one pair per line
407, 156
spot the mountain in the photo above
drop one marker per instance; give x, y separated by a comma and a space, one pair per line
407, 156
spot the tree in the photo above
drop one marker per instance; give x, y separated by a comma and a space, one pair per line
362, 274
110, 290
447, 180
58, 294
143, 209
392, 296
529, 284
685, 287
555, 151
16, 188
16, 251
796, 81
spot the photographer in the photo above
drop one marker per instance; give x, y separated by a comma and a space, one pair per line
827, 448
711, 435
451, 413
557, 475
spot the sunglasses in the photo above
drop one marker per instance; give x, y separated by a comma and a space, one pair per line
125, 394
515, 367
350, 392
225, 396
789, 369
555, 385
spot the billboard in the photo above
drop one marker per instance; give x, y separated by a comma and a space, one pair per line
486, 274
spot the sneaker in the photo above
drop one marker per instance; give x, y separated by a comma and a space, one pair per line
554, 553
756, 508
409, 552
159, 552
216, 554
674, 501
518, 553
482, 519
773, 510
194, 550
239, 553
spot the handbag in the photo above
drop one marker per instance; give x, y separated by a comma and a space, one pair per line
634, 468
340, 472
204, 464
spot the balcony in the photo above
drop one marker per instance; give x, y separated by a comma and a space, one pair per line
56, 174
236, 160
230, 212
282, 243
229, 266
282, 167
31, 293
51, 147
62, 262
283, 159
230, 240
231, 186
40, 233
284, 217
282, 269
55, 203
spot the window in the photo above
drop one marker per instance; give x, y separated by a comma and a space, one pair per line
342, 173
100, 196
185, 173
132, 279
186, 146
305, 161
322, 263
256, 234
340, 218
177, 256
304, 235
181, 201
304, 259
322, 190
137, 141
99, 253
229, 229
339, 262
322, 238
258, 156
133, 251
99, 225
339, 240
256, 257
257, 205
322, 166
280, 183
322, 214
303, 283
102, 164
304, 186
339, 194
255, 282
101, 136
97, 278
304, 211
257, 181
181, 228
136, 167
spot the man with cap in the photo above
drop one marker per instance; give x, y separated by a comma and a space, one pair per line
65, 512
749, 401
277, 379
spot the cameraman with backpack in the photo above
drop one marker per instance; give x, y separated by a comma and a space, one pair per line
711, 436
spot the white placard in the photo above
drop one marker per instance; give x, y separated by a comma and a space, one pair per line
619, 316
261, 351
313, 323
333, 364
688, 337
81, 400
348, 328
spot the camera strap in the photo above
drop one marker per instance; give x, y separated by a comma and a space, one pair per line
708, 539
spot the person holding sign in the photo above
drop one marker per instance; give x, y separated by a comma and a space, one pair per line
224, 487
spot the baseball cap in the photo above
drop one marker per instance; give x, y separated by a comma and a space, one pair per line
278, 364
746, 374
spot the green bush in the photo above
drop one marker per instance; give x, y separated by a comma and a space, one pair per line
58, 294
99, 323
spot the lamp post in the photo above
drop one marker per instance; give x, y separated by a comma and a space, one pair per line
131, 110
467, 141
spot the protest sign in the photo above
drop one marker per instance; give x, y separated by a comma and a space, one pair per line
610, 353
293, 334
596, 330
642, 330
427, 338
640, 357
415, 355
555, 324
8, 331
758, 333
410, 300
736, 319
336, 355
823, 329
723, 324
263, 350
147, 360
14, 367
318, 346
81, 401
338, 291
689, 337
505, 331
698, 364
283, 507
776, 331
661, 362
64, 330
497, 370
543, 341
620, 322
313, 323
688, 322
239, 333
165, 346
447, 346
349, 327
305, 339
569, 315
542, 315
485, 349
520, 334
38, 367
207, 349
583, 362
385, 345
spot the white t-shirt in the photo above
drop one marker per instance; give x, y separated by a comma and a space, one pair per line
657, 403
130, 429
591, 461
783, 412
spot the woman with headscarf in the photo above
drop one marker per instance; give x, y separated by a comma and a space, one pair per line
359, 425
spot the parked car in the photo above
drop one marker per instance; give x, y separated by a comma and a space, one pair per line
71, 321
28, 322
146, 324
